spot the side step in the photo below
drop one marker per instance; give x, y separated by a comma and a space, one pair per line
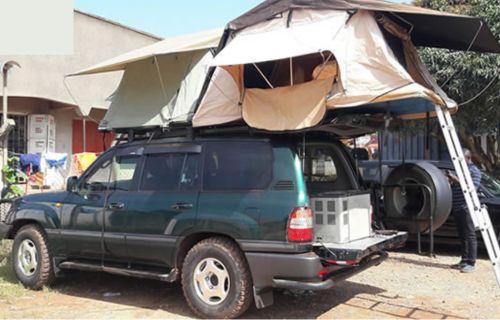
167, 277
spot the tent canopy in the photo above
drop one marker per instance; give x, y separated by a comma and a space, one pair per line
430, 28
259, 86
161, 83
186, 43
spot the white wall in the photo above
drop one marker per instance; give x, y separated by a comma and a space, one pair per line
95, 40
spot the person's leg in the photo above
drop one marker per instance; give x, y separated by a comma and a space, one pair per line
460, 217
470, 239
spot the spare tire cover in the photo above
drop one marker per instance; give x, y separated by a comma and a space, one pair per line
403, 204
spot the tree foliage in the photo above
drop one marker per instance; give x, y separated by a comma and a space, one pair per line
471, 78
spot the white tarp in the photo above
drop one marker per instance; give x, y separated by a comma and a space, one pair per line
368, 69
143, 99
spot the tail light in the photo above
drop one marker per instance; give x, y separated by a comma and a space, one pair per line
300, 225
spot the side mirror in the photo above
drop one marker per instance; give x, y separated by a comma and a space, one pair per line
71, 184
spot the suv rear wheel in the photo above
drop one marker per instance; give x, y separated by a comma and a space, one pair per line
216, 280
31, 257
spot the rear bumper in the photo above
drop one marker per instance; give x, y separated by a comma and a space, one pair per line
306, 271
302, 271
333, 277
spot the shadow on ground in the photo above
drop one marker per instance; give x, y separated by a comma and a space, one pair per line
155, 295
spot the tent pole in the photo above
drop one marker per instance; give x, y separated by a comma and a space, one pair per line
291, 71
161, 79
263, 76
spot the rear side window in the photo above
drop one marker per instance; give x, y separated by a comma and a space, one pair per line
242, 165
162, 172
324, 169
170, 172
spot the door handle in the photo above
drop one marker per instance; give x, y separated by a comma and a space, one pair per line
182, 206
116, 206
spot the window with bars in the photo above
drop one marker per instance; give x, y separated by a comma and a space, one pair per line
17, 137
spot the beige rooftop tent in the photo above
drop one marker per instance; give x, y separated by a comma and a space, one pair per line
286, 63
161, 83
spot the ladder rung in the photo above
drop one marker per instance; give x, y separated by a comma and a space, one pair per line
478, 212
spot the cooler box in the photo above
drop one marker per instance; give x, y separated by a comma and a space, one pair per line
341, 217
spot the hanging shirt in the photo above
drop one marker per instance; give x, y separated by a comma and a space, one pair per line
53, 166
29, 161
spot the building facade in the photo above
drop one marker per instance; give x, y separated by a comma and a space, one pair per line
40, 86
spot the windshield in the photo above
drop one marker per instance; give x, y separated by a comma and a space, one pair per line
491, 184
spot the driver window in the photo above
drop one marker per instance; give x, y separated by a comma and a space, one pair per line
98, 179
123, 172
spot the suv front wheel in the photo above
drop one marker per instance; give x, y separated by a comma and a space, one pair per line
216, 280
31, 257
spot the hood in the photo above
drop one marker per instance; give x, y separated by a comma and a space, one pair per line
46, 197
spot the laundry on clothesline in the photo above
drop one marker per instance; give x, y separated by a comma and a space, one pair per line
54, 166
29, 163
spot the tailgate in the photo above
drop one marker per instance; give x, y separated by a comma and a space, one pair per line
354, 251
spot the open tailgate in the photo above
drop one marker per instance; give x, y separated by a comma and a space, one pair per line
354, 251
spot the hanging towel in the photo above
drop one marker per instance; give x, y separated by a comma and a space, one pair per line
27, 160
81, 161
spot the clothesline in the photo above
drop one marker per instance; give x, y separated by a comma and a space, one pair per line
51, 169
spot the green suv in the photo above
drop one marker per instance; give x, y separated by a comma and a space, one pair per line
231, 218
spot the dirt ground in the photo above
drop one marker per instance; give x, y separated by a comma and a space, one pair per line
407, 285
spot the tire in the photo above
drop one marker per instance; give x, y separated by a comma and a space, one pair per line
31, 245
415, 203
228, 298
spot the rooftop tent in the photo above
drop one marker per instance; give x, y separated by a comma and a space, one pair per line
429, 28
282, 65
161, 82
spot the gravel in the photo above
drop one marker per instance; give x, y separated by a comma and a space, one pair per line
407, 285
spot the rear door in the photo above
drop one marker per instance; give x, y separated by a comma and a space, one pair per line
164, 206
235, 200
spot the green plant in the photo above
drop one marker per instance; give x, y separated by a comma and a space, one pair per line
11, 175
471, 79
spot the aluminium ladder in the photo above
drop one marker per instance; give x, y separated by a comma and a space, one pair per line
478, 212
